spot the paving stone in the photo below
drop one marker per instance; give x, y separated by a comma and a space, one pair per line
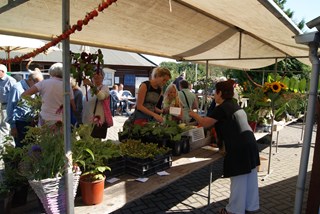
188, 195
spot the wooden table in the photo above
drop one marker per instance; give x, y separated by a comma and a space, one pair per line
118, 194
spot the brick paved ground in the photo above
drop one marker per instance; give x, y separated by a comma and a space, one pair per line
189, 194
277, 190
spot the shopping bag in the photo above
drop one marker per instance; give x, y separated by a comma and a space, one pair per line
99, 130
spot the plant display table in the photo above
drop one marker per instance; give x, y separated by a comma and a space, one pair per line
127, 189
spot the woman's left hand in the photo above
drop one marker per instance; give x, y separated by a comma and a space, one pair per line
87, 82
192, 113
158, 118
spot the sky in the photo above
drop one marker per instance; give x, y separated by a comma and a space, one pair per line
307, 9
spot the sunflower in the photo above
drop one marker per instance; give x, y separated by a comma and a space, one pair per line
283, 86
266, 87
276, 87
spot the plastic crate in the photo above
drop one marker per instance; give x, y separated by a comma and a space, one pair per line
200, 143
195, 134
147, 167
118, 167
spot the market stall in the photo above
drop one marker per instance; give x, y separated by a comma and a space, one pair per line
197, 30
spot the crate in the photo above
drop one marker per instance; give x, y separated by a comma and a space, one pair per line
147, 167
200, 143
195, 134
118, 167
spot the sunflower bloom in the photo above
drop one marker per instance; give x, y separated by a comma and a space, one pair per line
283, 86
276, 87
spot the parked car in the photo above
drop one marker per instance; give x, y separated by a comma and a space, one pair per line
19, 75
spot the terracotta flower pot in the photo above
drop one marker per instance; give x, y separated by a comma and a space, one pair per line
91, 191
253, 125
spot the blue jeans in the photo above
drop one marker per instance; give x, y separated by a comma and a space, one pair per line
22, 130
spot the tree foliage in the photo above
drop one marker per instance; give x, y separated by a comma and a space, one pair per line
288, 67
290, 13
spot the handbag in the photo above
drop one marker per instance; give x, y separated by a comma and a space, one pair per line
99, 130
107, 111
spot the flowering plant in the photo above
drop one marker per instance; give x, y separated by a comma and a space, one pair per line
44, 155
273, 90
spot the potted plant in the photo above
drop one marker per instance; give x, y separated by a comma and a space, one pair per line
5, 197
43, 164
92, 185
16, 183
253, 116
91, 154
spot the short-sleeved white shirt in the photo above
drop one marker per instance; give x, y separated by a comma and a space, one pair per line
51, 92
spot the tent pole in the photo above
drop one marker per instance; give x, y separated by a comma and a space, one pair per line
9, 63
313, 49
196, 79
206, 88
272, 123
66, 109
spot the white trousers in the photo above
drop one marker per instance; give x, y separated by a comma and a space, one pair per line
244, 193
4, 126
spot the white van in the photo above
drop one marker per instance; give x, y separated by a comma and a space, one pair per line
19, 75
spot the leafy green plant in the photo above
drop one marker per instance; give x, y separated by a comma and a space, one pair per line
252, 113
84, 65
136, 149
11, 178
92, 154
44, 157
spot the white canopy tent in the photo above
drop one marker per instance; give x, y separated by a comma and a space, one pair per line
242, 34
238, 34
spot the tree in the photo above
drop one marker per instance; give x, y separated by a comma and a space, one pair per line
289, 13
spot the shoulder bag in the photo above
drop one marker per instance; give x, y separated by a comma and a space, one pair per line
107, 111
192, 119
99, 130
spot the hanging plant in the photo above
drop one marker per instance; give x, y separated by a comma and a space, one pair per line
84, 65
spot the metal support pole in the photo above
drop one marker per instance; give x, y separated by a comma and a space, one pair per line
66, 110
270, 146
196, 75
277, 142
209, 188
206, 89
272, 123
313, 47
303, 124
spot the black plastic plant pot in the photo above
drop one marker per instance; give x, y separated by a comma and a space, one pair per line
176, 147
162, 141
185, 144
122, 137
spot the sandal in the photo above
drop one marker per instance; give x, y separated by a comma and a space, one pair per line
223, 211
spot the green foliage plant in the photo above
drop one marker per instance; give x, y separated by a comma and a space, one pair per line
11, 179
44, 157
84, 65
137, 149
91, 154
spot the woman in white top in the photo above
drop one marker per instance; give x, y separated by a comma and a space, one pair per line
97, 91
51, 92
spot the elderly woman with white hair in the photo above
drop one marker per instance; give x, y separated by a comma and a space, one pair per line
93, 109
51, 92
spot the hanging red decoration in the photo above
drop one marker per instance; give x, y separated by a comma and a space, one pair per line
94, 13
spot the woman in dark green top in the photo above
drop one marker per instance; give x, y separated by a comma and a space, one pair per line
148, 97
242, 155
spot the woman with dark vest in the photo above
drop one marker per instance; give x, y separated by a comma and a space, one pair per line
148, 96
241, 151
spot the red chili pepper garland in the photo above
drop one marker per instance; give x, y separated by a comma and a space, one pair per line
94, 13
